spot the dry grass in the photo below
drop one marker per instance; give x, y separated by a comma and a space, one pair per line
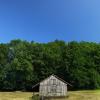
74, 95
15, 95
83, 95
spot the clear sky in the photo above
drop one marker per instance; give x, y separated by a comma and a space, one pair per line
47, 20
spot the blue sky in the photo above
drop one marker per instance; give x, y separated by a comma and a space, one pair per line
47, 20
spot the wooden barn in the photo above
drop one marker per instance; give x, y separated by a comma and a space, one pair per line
53, 86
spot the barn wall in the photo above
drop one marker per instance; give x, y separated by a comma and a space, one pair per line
53, 87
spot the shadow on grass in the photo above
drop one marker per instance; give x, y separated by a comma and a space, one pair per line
35, 97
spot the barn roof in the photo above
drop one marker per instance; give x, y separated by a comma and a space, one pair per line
54, 76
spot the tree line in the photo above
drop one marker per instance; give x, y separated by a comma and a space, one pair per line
23, 64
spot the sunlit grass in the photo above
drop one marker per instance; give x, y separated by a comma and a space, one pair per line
15, 95
83, 95
72, 95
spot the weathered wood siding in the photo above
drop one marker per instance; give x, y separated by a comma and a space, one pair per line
52, 87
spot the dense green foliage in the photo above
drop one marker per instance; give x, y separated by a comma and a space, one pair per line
23, 64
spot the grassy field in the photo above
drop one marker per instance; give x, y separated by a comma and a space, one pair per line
74, 95
15, 95
84, 95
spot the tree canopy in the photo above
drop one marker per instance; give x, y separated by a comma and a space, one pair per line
23, 64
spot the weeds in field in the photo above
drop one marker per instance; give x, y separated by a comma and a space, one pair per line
35, 97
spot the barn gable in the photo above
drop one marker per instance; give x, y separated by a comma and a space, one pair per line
53, 86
